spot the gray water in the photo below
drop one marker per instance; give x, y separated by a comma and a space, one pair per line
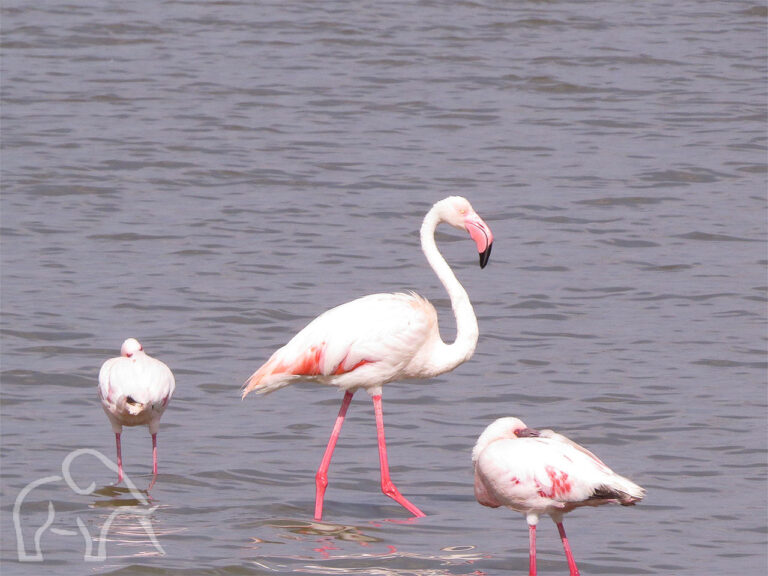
209, 176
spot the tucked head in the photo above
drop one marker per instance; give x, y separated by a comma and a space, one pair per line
503, 428
458, 212
130, 347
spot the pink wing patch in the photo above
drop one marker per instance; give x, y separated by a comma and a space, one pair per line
310, 363
340, 369
561, 485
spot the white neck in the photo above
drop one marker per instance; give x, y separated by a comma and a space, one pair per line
446, 357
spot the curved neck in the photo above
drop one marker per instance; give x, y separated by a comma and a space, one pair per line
447, 356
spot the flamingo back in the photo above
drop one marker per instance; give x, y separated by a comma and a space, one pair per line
363, 343
547, 474
135, 390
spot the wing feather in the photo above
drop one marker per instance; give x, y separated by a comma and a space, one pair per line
549, 472
380, 332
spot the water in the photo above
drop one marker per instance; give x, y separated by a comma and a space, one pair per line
208, 177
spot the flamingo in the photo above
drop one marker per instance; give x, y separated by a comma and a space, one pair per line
379, 338
543, 472
134, 390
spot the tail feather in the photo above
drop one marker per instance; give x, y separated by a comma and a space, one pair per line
285, 366
621, 489
134, 407
270, 377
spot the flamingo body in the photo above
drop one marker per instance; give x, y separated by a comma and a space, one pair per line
135, 390
360, 344
379, 338
542, 472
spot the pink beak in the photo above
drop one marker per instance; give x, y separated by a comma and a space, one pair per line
482, 235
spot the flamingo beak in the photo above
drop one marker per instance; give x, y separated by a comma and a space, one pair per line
485, 256
527, 433
482, 235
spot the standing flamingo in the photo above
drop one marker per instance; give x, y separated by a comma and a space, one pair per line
379, 338
135, 389
542, 472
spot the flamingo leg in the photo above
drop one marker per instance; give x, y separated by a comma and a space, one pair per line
571, 562
387, 487
321, 478
154, 454
119, 458
154, 462
532, 549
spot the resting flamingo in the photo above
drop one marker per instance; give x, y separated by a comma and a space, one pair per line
542, 472
134, 390
379, 338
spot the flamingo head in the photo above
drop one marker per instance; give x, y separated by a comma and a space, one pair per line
130, 347
502, 429
458, 212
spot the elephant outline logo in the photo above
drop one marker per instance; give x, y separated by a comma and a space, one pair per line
89, 556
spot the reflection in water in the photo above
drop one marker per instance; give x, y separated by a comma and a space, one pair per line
131, 523
119, 496
327, 536
124, 517
324, 530
384, 571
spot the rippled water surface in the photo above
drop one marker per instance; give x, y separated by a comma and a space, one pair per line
209, 176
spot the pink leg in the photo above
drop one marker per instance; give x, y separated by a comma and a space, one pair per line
532, 549
119, 458
571, 562
154, 454
386, 482
154, 463
321, 478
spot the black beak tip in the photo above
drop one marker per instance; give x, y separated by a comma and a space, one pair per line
485, 256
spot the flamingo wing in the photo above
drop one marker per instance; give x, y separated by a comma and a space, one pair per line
604, 483
565, 441
368, 341
535, 473
106, 393
549, 472
145, 380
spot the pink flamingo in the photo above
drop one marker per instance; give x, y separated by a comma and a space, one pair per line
542, 472
379, 338
134, 390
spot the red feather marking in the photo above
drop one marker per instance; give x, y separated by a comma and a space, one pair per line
341, 370
560, 483
311, 364
308, 364
561, 486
